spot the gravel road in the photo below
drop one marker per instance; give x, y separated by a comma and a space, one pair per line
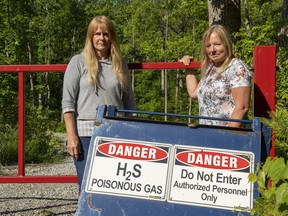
39, 199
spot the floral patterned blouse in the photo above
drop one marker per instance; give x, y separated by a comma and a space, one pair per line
214, 92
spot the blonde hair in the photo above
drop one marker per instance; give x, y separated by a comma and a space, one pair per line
226, 39
91, 57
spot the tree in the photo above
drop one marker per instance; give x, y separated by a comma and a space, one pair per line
283, 33
225, 12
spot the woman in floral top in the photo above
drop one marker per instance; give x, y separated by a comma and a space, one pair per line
224, 88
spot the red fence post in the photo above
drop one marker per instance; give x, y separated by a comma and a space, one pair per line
264, 80
21, 123
265, 83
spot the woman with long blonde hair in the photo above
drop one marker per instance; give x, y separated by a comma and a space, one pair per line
92, 55
224, 88
97, 75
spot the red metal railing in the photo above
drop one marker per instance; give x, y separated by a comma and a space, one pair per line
264, 80
21, 70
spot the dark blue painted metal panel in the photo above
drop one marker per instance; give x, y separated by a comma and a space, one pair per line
170, 133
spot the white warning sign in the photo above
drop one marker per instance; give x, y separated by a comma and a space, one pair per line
211, 178
129, 168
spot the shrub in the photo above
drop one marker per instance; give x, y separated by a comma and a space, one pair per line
41, 145
8, 145
272, 176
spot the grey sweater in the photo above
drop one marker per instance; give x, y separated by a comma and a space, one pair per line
83, 99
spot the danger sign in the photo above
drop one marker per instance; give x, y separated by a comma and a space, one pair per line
211, 178
213, 160
129, 168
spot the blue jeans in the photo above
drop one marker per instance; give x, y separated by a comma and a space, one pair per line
81, 161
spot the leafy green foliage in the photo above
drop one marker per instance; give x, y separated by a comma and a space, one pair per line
40, 143
162, 32
282, 78
274, 198
272, 176
8, 99
8, 145
279, 123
